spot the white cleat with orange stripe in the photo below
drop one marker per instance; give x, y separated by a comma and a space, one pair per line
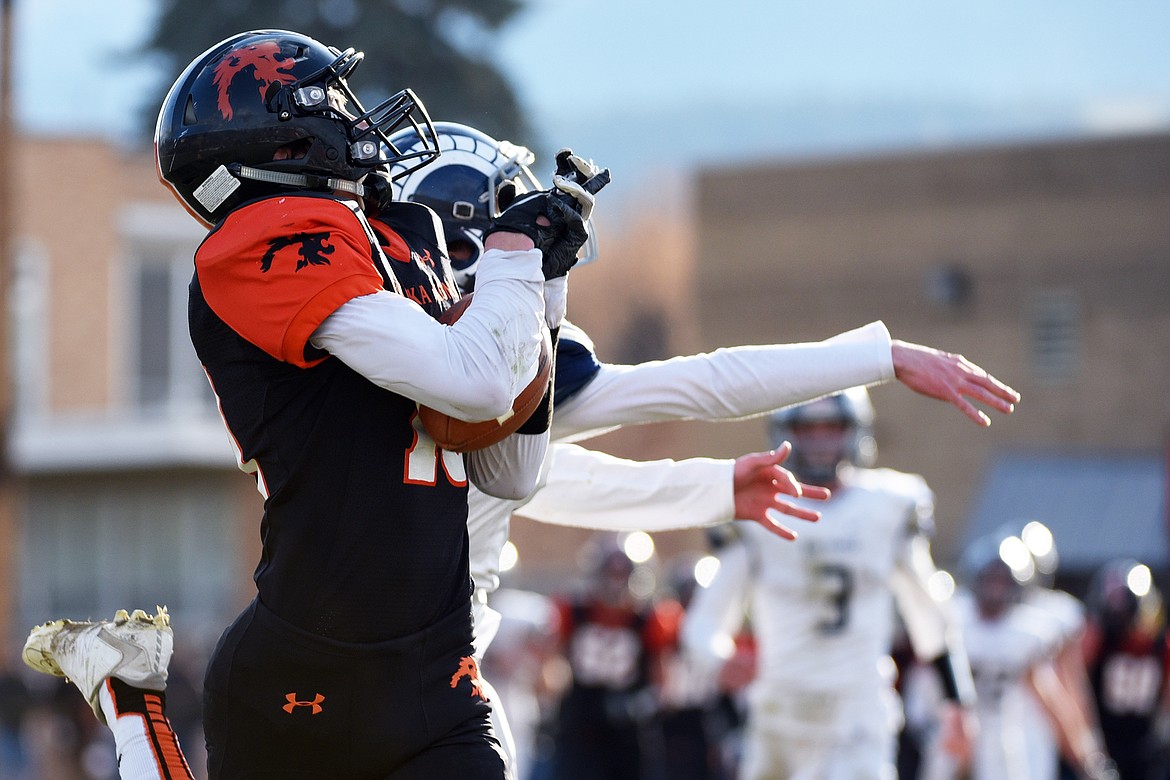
133, 647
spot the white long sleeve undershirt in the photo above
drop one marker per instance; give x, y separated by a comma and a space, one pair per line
471, 370
727, 384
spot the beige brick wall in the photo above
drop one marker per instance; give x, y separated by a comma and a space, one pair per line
822, 247
73, 218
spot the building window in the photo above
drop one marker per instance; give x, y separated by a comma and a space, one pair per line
155, 348
645, 337
164, 376
29, 347
90, 545
1055, 320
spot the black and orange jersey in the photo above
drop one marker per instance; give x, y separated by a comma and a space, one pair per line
1129, 673
364, 529
611, 647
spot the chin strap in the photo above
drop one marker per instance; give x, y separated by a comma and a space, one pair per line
304, 180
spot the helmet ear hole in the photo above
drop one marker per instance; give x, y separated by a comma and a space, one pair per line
505, 194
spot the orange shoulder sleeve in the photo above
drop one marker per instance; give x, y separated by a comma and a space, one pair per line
662, 629
275, 269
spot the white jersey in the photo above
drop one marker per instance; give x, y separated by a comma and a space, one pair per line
589, 489
1065, 610
1067, 619
823, 704
1002, 654
822, 606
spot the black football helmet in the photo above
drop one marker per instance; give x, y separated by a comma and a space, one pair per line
475, 178
245, 98
1122, 597
997, 568
852, 408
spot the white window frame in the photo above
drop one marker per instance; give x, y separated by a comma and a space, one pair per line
186, 430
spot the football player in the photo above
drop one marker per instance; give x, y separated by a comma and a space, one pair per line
616, 641
1012, 647
474, 178
823, 704
1128, 654
317, 327
1069, 663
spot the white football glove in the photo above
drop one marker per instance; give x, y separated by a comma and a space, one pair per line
572, 177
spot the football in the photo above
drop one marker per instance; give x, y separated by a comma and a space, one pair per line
462, 436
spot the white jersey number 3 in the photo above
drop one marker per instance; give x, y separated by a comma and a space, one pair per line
835, 587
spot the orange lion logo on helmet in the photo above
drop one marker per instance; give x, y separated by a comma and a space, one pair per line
268, 67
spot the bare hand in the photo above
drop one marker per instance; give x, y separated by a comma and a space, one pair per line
951, 378
759, 483
957, 733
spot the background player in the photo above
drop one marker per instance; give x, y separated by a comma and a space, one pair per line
1068, 612
1128, 656
823, 704
616, 643
1012, 648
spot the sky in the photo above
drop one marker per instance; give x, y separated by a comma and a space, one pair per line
677, 84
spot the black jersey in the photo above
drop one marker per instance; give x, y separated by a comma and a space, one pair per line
1128, 673
364, 528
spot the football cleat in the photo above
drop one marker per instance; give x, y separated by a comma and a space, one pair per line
133, 647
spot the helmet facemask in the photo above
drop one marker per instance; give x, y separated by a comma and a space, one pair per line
826, 435
351, 141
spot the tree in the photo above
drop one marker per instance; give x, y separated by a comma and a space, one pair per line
438, 48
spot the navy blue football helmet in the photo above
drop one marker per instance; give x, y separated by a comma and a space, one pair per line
474, 179
1123, 597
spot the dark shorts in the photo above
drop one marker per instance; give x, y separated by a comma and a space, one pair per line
280, 702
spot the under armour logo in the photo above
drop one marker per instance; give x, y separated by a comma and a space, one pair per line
293, 703
470, 669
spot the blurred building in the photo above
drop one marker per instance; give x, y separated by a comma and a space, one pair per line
128, 494
1048, 263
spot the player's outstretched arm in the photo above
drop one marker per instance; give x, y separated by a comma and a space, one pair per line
738, 382
951, 378
728, 384
587, 489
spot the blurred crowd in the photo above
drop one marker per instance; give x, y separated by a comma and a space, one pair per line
597, 683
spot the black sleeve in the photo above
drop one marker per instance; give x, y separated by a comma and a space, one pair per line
955, 674
541, 419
